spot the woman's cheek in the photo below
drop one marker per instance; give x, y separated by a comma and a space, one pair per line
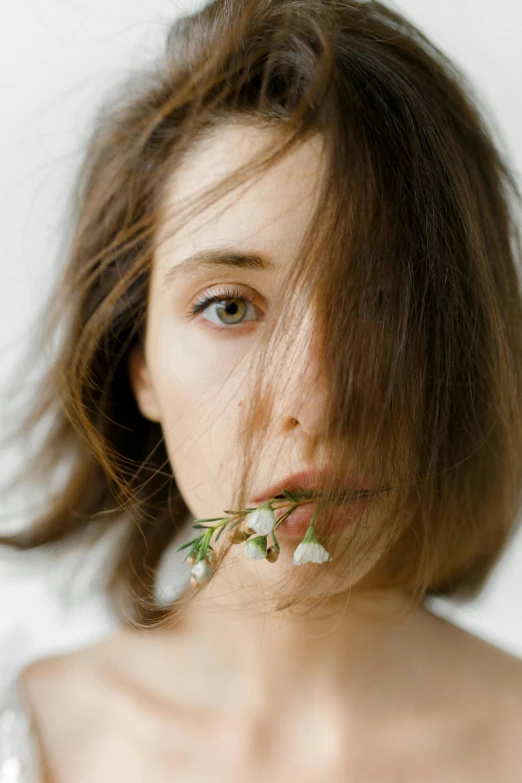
203, 351
201, 374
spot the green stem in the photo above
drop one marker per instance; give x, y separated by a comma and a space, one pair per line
211, 527
302, 502
312, 523
202, 553
284, 516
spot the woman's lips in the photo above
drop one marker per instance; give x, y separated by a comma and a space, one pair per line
313, 480
296, 523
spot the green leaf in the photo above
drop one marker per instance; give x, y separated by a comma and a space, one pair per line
242, 512
289, 495
219, 532
215, 519
194, 548
189, 543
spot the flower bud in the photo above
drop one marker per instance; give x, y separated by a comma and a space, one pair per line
201, 571
245, 527
237, 535
255, 548
272, 554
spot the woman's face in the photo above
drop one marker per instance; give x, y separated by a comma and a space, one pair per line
193, 375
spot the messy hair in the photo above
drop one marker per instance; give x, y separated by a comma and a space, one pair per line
409, 266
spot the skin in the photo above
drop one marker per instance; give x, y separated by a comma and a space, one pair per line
334, 694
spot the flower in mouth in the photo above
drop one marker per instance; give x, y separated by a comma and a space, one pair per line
260, 520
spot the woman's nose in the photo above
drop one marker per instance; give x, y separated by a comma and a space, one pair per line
305, 390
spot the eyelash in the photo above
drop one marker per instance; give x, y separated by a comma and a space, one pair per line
224, 294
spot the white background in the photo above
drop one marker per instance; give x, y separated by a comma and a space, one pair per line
57, 60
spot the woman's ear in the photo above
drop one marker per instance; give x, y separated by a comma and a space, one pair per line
141, 384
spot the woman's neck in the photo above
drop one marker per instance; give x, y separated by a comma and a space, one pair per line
256, 661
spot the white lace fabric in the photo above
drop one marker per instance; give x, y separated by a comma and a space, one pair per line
20, 760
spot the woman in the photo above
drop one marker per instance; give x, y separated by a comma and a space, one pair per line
292, 286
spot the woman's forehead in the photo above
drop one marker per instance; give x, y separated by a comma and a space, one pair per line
270, 214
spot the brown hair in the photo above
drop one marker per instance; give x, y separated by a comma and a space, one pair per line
409, 264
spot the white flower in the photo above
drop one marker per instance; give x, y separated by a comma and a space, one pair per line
255, 548
262, 519
202, 571
310, 550
311, 553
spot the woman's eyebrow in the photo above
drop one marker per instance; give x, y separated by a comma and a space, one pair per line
218, 257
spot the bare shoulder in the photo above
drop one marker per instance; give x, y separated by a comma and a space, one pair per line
489, 665
52, 688
61, 691
48, 679
71, 686
484, 683
89, 680
79, 720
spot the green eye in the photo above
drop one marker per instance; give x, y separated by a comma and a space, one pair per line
233, 312
226, 308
